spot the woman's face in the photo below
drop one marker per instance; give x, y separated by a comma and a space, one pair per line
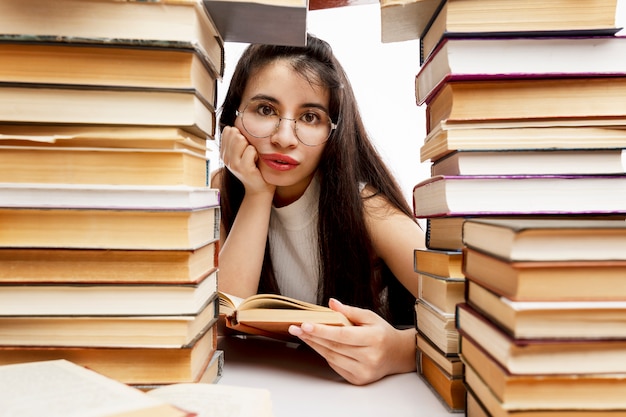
284, 161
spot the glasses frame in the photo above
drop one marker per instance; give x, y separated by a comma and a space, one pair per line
333, 127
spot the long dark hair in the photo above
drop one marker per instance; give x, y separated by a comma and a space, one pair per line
349, 267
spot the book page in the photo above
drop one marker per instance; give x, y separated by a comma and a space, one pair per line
62, 389
209, 400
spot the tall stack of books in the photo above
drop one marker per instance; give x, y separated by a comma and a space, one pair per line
542, 329
108, 227
525, 116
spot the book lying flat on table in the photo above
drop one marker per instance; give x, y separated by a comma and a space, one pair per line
272, 314
60, 388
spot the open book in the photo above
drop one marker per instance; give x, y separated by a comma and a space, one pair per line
271, 314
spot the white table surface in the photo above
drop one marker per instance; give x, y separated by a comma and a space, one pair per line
302, 384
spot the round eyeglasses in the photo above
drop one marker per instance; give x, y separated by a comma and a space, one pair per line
312, 127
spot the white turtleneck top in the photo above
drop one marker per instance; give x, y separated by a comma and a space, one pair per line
293, 245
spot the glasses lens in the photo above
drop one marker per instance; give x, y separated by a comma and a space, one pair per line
312, 127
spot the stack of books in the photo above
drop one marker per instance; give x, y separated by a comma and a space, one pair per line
542, 329
441, 288
109, 228
525, 113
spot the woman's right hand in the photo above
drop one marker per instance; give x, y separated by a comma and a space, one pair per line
241, 158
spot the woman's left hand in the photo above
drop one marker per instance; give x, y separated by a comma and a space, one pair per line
365, 352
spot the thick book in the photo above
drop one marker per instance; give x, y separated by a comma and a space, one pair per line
544, 392
524, 134
540, 356
119, 166
133, 366
444, 233
107, 331
272, 314
516, 195
404, 20
59, 265
272, 22
443, 293
23, 103
546, 280
101, 64
568, 98
76, 299
442, 263
60, 388
592, 318
438, 326
107, 196
547, 239
462, 18
449, 363
519, 57
481, 402
160, 23
531, 162
448, 388
102, 136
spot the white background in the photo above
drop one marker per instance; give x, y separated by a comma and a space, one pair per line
383, 78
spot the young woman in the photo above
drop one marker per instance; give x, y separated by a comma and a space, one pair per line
309, 209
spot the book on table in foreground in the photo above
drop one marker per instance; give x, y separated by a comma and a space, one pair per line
544, 392
272, 314
130, 365
531, 162
60, 388
404, 20
119, 166
547, 280
595, 319
524, 134
96, 266
107, 331
552, 99
442, 292
463, 18
119, 299
547, 239
540, 356
21, 103
516, 195
470, 58
272, 22
165, 23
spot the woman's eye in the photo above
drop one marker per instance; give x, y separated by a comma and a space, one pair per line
264, 110
310, 118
